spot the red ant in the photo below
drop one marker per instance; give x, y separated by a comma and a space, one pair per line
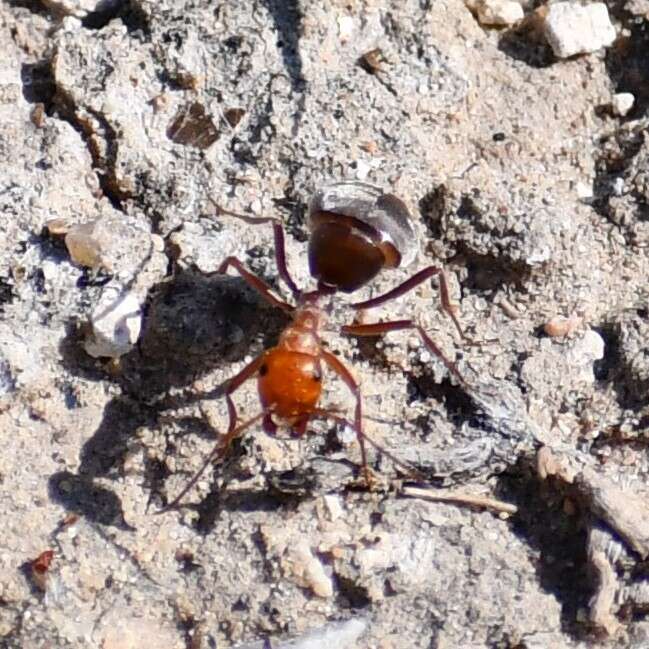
355, 231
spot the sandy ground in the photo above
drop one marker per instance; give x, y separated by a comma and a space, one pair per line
151, 120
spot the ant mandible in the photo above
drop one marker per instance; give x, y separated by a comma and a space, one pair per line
355, 231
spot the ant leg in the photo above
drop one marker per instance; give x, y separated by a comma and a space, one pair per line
280, 260
378, 328
278, 234
447, 307
326, 413
298, 429
218, 452
233, 430
235, 383
411, 283
351, 383
254, 282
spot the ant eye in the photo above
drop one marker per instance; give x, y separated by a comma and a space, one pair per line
263, 370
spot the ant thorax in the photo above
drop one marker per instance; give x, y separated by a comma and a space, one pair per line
303, 334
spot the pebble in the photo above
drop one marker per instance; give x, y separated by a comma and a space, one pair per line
345, 28
334, 506
79, 8
362, 170
559, 326
497, 13
618, 186
583, 353
622, 103
308, 569
571, 28
346, 434
591, 347
584, 191
84, 245
116, 323
337, 634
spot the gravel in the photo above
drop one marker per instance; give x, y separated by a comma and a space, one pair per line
132, 134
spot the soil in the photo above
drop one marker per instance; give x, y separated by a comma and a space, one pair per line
155, 121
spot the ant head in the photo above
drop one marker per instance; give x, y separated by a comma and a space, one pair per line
356, 230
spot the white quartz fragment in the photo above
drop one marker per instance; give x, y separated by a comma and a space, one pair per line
116, 323
571, 28
622, 103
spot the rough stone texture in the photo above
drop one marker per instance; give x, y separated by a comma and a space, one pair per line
154, 119
498, 13
572, 28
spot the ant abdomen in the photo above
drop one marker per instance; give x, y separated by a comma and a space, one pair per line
356, 230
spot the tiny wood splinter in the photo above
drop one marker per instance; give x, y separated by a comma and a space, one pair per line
355, 231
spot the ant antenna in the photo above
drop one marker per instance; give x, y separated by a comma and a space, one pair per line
411, 470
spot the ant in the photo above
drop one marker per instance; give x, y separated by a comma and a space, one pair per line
356, 230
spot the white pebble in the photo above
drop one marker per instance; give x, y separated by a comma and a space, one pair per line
622, 103
116, 323
618, 186
584, 190
345, 28
592, 346
362, 170
572, 28
334, 506
346, 434
255, 206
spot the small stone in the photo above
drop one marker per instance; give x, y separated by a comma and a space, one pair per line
111, 242
497, 13
591, 346
362, 170
618, 186
584, 352
571, 28
346, 434
116, 323
79, 8
584, 190
559, 327
345, 28
622, 103
309, 571
334, 506
193, 126
84, 246
57, 227
341, 635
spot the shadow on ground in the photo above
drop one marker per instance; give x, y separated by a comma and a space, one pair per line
558, 540
193, 325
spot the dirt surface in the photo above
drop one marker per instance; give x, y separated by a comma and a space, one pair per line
152, 119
